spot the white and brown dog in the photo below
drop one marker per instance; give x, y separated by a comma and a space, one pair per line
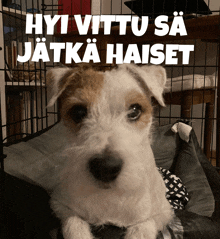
110, 176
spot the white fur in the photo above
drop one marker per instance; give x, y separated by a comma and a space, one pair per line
57, 74
136, 199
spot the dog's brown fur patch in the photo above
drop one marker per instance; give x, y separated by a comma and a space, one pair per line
81, 87
138, 98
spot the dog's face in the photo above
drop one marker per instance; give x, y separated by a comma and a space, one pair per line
108, 116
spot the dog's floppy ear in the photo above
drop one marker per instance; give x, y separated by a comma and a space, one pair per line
151, 79
56, 82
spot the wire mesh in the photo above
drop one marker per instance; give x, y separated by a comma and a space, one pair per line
24, 111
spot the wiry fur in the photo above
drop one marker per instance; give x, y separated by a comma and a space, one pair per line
136, 199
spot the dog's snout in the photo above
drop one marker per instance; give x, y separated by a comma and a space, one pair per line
105, 168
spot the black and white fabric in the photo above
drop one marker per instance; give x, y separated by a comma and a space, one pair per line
176, 192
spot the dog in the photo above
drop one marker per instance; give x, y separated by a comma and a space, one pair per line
110, 176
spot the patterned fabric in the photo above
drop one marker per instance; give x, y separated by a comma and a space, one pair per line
176, 192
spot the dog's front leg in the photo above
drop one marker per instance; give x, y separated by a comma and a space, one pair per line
144, 230
76, 228
73, 227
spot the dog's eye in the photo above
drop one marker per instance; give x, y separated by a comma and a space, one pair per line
78, 113
135, 112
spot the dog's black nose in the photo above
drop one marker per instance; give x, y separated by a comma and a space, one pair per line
105, 168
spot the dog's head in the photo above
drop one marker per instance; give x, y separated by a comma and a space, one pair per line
108, 115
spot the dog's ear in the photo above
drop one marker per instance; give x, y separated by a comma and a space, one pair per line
56, 82
151, 79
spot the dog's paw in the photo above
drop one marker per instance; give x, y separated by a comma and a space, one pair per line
145, 230
76, 228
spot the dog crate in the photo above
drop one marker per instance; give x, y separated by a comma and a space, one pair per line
23, 90
192, 89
